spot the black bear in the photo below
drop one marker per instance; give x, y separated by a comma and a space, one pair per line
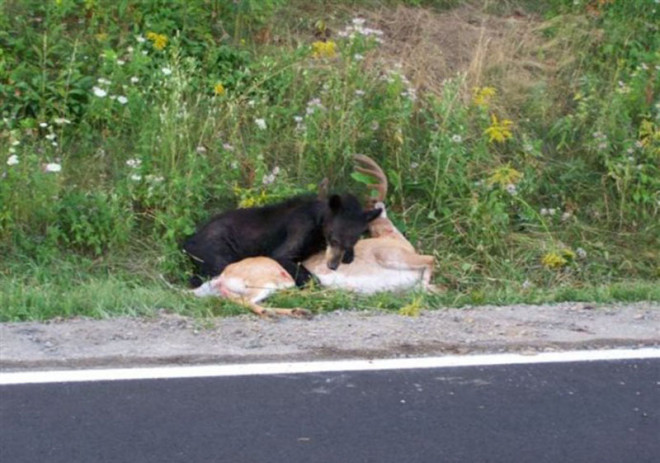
288, 232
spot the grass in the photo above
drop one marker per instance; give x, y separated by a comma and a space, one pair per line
521, 140
81, 287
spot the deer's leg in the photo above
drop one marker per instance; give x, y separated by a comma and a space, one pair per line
402, 260
270, 312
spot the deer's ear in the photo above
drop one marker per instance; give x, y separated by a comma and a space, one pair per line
335, 203
372, 214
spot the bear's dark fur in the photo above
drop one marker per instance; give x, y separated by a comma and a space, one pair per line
288, 232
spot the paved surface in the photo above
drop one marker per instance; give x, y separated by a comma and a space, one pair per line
587, 412
167, 338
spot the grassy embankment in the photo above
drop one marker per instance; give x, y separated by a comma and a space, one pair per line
522, 142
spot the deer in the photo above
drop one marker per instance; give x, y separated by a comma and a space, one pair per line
386, 261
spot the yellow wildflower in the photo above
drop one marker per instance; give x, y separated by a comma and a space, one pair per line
499, 131
219, 89
553, 260
322, 49
504, 176
556, 260
159, 40
483, 95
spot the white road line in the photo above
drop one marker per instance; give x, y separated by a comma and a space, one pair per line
211, 371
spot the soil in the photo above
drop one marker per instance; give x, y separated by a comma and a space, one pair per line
172, 339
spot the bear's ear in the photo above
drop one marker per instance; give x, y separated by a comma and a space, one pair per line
335, 203
372, 214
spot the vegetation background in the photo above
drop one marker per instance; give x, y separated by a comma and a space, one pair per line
521, 140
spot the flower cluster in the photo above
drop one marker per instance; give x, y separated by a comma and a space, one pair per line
558, 259
357, 28
499, 131
270, 177
601, 140
481, 96
135, 165
507, 178
159, 40
101, 91
219, 89
324, 49
396, 74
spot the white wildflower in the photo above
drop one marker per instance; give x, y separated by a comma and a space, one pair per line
166, 71
228, 147
527, 284
155, 178
135, 80
43, 124
359, 92
566, 216
53, 167
136, 177
140, 39
121, 62
261, 123
511, 189
51, 136
99, 92
581, 253
358, 57
134, 163
103, 81
358, 21
201, 149
61, 121
268, 179
456, 138
122, 99
12, 160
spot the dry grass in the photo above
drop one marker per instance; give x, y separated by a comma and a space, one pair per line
488, 49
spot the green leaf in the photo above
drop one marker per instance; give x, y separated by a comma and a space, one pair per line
362, 178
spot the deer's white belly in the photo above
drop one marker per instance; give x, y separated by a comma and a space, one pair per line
381, 279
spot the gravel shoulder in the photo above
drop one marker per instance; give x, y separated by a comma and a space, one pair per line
171, 339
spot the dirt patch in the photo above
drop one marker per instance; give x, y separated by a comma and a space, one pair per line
488, 49
173, 339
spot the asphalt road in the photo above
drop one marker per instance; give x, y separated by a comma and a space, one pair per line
605, 411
